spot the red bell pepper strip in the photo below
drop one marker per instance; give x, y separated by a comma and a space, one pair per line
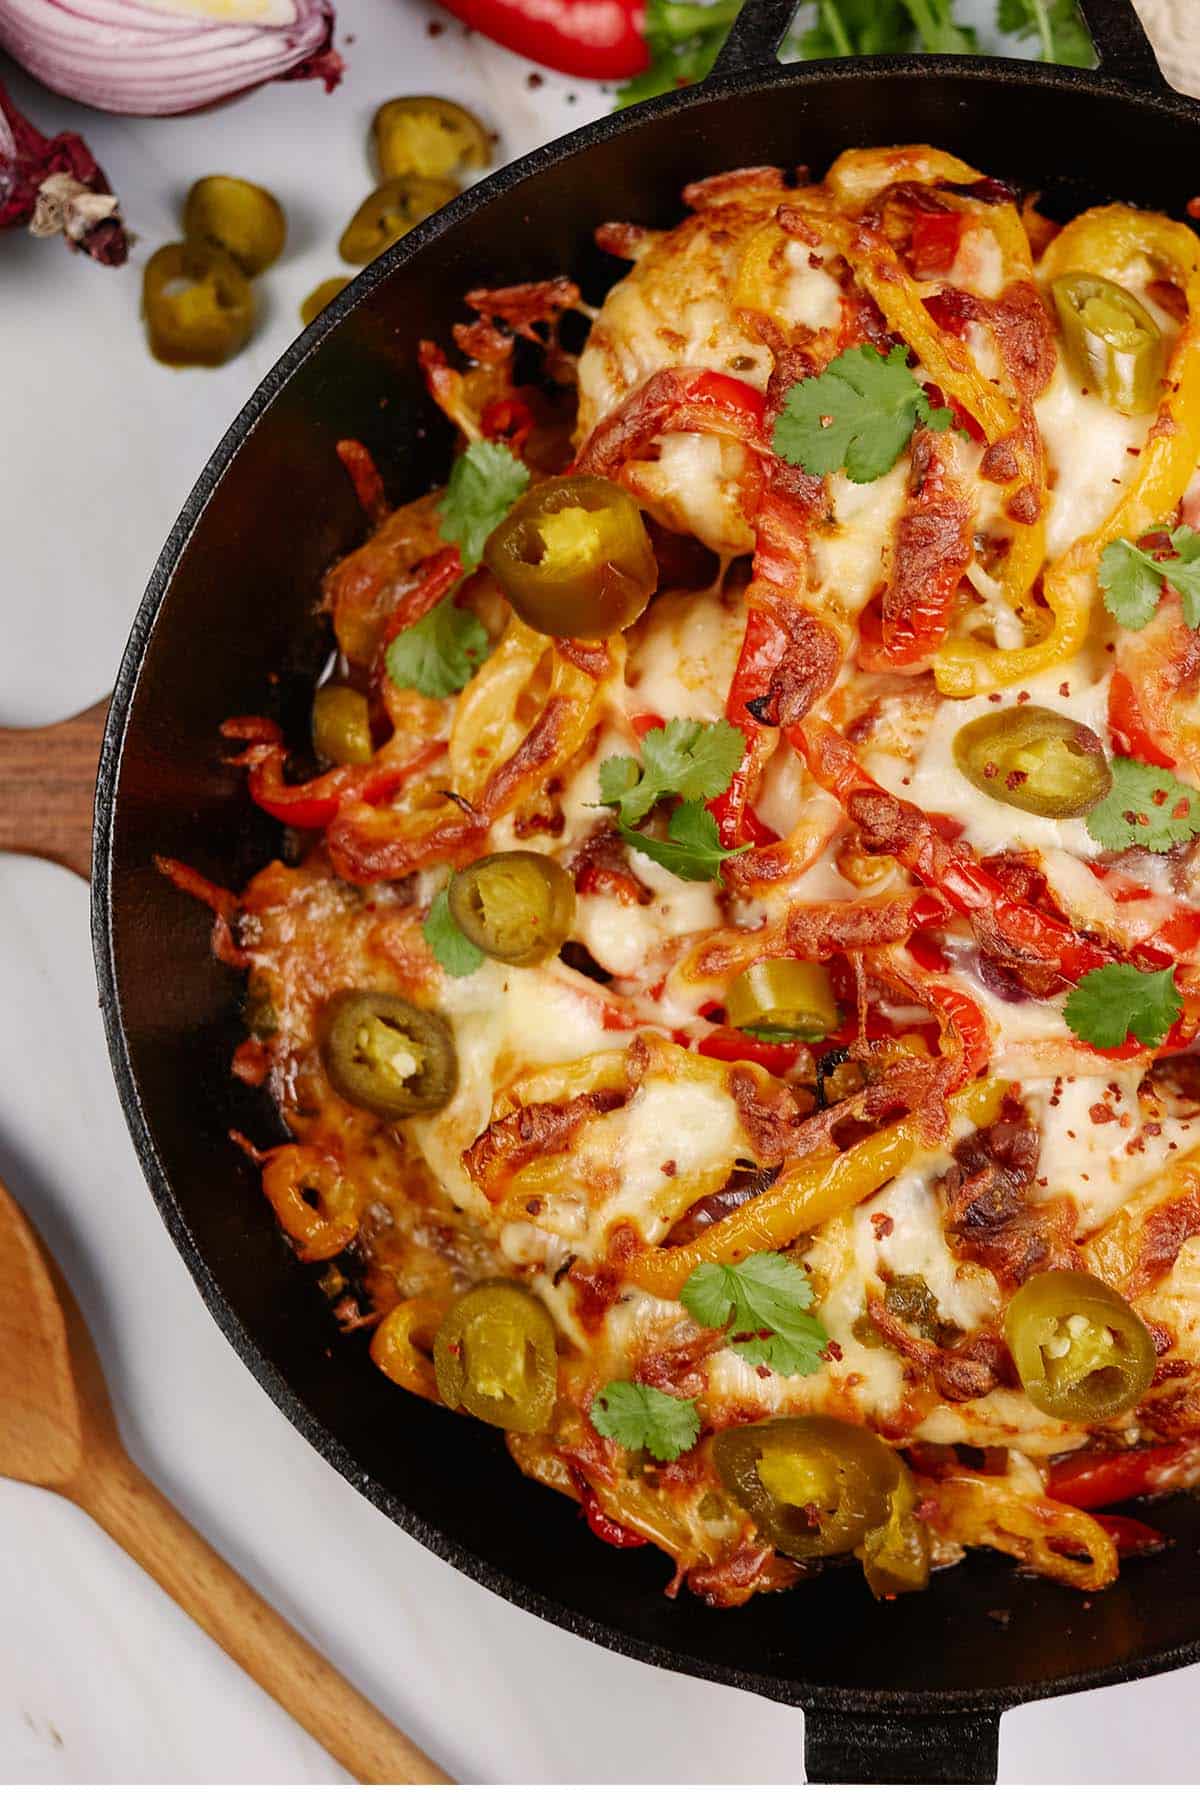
950, 870
621, 1537
312, 805
936, 237
434, 579
1127, 726
728, 1045
360, 466
762, 649
1099, 1478
602, 40
675, 400
1131, 1536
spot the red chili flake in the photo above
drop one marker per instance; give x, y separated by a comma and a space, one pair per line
1101, 1114
1064, 688
832, 1352
884, 1225
670, 1167
533, 1206
1022, 696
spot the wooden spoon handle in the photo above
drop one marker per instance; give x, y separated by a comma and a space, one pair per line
143, 1521
47, 779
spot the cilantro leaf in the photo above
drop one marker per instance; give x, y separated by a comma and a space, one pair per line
1132, 580
1146, 807
692, 849
440, 653
453, 949
683, 41
644, 1418
486, 480
858, 414
1061, 33
1183, 573
684, 757
1111, 1003
618, 774
766, 1297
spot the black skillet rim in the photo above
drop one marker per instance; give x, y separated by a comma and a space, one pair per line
990, 70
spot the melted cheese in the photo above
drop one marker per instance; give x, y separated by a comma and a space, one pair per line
1088, 456
938, 785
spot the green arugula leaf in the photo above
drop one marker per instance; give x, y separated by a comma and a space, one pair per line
485, 482
453, 949
767, 1298
939, 30
440, 653
858, 414
1146, 807
1111, 1003
858, 28
684, 757
683, 41
644, 1418
1132, 580
692, 849
1061, 33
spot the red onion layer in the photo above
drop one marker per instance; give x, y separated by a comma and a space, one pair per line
132, 56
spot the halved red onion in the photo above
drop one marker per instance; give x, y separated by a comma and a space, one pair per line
168, 56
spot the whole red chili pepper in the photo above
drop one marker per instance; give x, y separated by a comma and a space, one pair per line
603, 40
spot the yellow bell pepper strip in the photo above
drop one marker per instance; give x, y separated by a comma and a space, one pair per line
807, 1194
1105, 242
979, 1509
402, 1345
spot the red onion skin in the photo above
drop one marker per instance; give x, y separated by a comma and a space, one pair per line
33, 158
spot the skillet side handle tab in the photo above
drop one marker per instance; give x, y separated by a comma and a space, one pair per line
1120, 41
878, 1749
754, 37
47, 781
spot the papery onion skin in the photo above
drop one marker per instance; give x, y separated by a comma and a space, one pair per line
126, 57
55, 185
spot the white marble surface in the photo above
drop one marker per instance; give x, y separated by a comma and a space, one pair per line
101, 1679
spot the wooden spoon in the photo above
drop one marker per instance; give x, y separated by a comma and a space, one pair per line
57, 1430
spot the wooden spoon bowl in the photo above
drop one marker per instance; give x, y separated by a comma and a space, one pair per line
58, 1431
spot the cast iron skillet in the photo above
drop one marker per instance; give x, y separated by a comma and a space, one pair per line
912, 1691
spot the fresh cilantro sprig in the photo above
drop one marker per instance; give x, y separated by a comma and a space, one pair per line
765, 1305
1132, 579
485, 483
1061, 34
644, 1418
684, 757
692, 848
453, 949
1117, 1001
857, 415
858, 28
1146, 808
439, 654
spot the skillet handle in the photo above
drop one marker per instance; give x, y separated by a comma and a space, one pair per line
755, 36
47, 780
1114, 27
950, 1749
1121, 43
